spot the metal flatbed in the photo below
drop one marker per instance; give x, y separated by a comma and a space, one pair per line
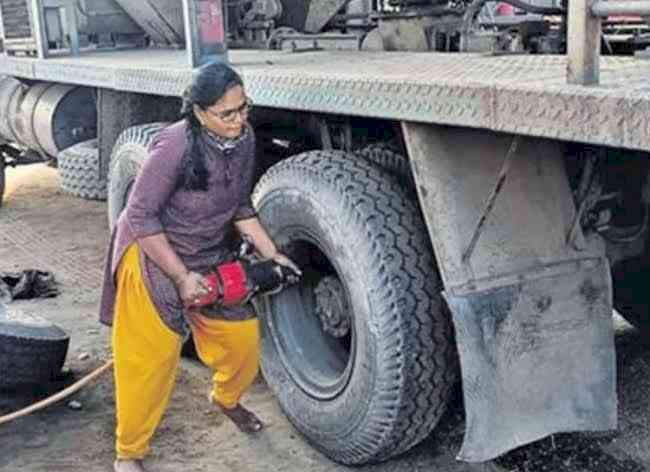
519, 94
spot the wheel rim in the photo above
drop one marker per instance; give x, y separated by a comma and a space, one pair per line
298, 324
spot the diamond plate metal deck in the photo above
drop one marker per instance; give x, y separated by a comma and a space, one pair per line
517, 94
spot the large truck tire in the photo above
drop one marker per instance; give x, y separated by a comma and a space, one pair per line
32, 350
631, 294
79, 171
360, 354
129, 152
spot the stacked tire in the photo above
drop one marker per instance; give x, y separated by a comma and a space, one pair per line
79, 171
32, 350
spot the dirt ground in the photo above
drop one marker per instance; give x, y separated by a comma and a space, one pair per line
41, 227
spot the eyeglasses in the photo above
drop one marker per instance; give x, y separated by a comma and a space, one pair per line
229, 116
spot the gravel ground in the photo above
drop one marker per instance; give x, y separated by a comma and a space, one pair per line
41, 227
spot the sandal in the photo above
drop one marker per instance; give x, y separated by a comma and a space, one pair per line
244, 419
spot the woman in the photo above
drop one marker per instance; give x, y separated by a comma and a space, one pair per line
190, 196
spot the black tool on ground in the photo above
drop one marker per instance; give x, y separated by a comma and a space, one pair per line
27, 284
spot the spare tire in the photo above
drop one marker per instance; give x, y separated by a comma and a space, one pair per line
32, 350
79, 171
129, 152
360, 354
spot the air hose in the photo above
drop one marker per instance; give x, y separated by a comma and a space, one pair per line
75, 387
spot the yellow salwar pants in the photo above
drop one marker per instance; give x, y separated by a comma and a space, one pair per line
146, 355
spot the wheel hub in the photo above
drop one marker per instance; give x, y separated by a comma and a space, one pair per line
332, 307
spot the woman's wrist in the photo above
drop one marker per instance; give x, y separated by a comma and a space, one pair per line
267, 251
180, 276
273, 254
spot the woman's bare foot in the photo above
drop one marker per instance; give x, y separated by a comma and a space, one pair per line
121, 465
245, 420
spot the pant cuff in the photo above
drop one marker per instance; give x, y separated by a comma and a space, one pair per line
227, 405
131, 456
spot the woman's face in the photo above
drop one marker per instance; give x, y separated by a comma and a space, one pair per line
227, 116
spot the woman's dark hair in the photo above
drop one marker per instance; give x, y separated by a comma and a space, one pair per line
209, 85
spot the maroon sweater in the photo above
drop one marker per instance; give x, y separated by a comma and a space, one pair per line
198, 224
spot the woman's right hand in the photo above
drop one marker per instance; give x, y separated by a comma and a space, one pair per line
191, 288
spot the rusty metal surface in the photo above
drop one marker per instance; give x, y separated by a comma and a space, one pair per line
518, 94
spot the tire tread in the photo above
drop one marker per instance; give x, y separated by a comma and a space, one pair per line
419, 354
79, 171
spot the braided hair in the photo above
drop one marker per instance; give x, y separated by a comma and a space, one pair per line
209, 85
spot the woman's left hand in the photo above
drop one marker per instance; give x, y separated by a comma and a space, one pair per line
283, 260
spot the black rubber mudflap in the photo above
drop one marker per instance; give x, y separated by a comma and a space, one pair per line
537, 358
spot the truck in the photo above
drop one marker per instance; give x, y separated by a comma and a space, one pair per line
467, 191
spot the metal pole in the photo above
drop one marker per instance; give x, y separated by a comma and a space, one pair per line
205, 31
71, 16
604, 9
191, 34
38, 29
583, 49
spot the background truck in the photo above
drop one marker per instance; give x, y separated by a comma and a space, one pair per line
466, 191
